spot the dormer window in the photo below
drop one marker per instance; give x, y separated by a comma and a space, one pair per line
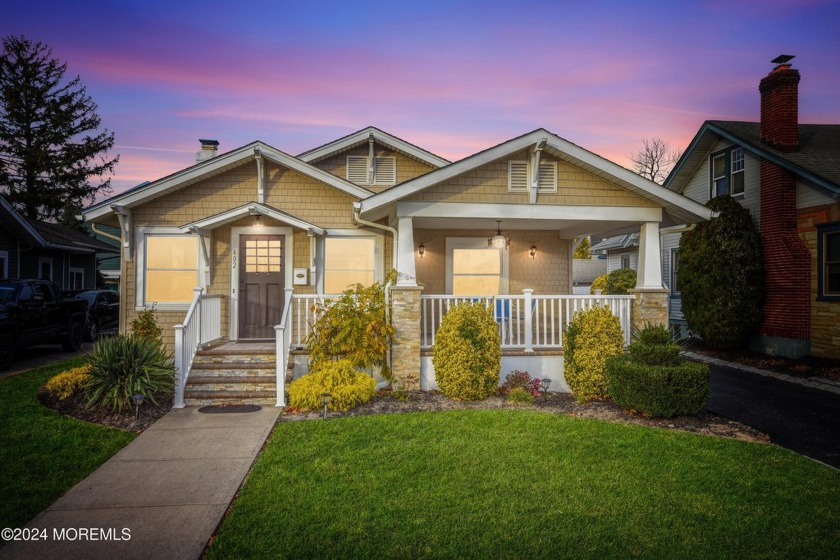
727, 173
384, 170
519, 176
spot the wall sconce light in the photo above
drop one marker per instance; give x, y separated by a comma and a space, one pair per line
421, 250
533, 251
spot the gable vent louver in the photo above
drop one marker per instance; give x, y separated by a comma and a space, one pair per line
547, 181
385, 172
518, 176
357, 169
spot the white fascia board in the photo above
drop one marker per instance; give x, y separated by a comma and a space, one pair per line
307, 169
528, 211
213, 222
380, 137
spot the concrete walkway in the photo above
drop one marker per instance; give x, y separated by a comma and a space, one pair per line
167, 490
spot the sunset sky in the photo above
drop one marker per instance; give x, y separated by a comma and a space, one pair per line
452, 77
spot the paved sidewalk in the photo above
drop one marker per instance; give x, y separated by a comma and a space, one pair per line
168, 489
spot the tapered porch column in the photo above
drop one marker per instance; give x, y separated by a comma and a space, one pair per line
651, 304
405, 312
406, 274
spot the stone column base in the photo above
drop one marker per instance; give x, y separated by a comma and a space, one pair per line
650, 307
405, 344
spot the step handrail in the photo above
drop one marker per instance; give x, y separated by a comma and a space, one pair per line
283, 345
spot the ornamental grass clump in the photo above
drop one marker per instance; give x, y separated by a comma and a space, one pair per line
348, 387
655, 380
468, 352
122, 366
69, 382
593, 335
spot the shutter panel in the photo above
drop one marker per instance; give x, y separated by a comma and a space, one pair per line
518, 176
385, 172
357, 169
548, 177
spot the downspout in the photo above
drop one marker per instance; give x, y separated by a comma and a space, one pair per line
104, 233
395, 234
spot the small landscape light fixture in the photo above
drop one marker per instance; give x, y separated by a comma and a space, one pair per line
533, 251
325, 400
544, 384
138, 400
421, 250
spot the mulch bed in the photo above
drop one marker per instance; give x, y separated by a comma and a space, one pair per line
806, 367
557, 403
75, 406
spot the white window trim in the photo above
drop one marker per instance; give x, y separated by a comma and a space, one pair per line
288, 262
4, 270
140, 302
476, 243
742, 171
378, 254
41, 261
675, 255
74, 270
621, 258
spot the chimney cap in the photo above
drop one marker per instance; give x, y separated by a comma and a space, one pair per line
205, 142
783, 58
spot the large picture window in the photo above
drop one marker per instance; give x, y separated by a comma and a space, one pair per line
171, 268
348, 261
828, 262
474, 269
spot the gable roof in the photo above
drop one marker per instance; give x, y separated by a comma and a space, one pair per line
682, 209
252, 209
49, 236
617, 242
817, 159
584, 271
146, 192
361, 137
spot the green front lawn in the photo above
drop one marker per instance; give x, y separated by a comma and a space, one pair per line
44, 454
524, 484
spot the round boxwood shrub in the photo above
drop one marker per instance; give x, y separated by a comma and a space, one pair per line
620, 280
593, 335
468, 352
653, 346
722, 276
599, 283
340, 379
659, 391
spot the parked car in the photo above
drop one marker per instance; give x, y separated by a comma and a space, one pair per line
103, 311
35, 312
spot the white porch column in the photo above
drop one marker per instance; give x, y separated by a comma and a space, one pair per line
650, 261
407, 276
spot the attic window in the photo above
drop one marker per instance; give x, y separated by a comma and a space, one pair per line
519, 176
384, 172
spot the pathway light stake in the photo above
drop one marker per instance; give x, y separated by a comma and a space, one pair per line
325, 400
544, 384
138, 400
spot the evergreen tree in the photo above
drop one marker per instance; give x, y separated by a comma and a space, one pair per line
50, 145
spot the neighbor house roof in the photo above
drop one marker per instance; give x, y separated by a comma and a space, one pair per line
816, 159
617, 242
584, 271
362, 136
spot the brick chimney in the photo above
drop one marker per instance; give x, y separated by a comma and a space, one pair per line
209, 149
780, 106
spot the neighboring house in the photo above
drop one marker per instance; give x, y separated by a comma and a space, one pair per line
788, 176
109, 261
622, 251
249, 240
34, 249
584, 272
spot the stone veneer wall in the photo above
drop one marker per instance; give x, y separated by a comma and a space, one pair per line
405, 345
649, 308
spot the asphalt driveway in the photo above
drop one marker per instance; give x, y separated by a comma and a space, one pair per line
38, 356
802, 419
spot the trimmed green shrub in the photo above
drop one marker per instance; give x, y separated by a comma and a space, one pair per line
347, 386
620, 280
521, 380
467, 352
68, 382
593, 335
599, 283
122, 366
722, 276
519, 397
145, 325
653, 346
658, 391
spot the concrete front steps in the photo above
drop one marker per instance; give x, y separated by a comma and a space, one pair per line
233, 373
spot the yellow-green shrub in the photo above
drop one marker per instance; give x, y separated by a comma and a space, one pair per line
69, 382
599, 283
468, 353
593, 335
347, 386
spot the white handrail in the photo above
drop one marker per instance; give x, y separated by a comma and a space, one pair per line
283, 345
201, 325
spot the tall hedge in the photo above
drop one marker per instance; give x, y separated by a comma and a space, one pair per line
592, 336
722, 276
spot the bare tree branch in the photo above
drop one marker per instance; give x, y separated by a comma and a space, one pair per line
655, 159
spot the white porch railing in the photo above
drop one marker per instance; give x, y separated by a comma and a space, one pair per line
304, 315
283, 345
525, 322
202, 324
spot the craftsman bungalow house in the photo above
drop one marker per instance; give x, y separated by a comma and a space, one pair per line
239, 246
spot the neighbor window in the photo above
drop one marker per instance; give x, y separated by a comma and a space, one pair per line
675, 271
727, 172
4, 265
828, 262
384, 170
625, 260
45, 268
348, 261
171, 268
77, 278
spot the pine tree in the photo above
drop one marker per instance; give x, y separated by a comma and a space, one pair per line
50, 145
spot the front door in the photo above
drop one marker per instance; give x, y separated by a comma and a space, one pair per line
261, 285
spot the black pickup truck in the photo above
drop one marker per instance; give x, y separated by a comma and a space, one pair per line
34, 312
